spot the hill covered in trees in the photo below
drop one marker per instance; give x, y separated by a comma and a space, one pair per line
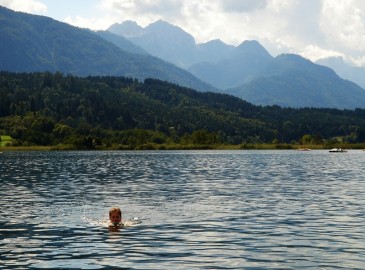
54, 109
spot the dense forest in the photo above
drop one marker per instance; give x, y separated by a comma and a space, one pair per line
123, 113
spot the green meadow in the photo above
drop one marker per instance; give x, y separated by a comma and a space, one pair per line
5, 140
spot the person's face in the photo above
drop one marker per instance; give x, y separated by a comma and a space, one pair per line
115, 217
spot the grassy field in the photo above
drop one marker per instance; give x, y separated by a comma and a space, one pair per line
25, 148
5, 140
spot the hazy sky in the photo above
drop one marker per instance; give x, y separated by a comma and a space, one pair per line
311, 28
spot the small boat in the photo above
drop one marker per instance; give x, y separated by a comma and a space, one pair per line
303, 149
337, 150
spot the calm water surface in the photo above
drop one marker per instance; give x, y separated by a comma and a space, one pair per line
199, 210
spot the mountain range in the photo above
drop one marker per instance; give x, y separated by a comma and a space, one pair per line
238, 67
30, 43
346, 71
249, 71
292, 81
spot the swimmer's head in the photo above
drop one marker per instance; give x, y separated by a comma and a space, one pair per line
115, 215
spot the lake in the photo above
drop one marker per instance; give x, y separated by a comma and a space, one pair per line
195, 210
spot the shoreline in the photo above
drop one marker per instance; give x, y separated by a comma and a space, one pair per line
184, 147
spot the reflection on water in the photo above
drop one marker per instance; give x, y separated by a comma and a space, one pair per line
199, 210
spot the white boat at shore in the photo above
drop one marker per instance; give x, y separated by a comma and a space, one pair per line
337, 150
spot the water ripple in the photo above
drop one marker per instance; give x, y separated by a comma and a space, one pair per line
199, 210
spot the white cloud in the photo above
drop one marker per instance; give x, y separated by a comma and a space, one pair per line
29, 6
243, 6
90, 23
343, 24
315, 53
358, 61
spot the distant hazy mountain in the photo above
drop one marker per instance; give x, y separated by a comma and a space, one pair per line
239, 66
292, 81
355, 74
37, 43
127, 29
160, 39
215, 62
171, 43
213, 51
121, 42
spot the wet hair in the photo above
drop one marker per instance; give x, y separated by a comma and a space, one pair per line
115, 209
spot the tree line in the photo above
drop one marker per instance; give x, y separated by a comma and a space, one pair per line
86, 112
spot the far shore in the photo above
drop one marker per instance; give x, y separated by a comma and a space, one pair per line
186, 147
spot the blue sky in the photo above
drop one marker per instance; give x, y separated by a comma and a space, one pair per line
67, 8
312, 28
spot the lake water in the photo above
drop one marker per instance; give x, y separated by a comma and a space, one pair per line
198, 210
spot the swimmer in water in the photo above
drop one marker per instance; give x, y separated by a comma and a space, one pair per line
115, 217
